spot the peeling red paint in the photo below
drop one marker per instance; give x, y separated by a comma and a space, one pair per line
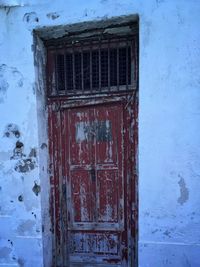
93, 180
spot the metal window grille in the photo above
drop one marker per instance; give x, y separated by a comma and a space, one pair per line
93, 67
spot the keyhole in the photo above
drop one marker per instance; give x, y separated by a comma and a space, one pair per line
93, 175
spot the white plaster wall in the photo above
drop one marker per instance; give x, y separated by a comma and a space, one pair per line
169, 115
169, 154
20, 212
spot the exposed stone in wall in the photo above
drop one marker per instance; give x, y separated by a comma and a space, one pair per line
25, 165
36, 188
7, 73
184, 192
43, 146
5, 252
20, 198
26, 227
53, 15
31, 18
3, 89
21, 262
3, 83
18, 151
12, 130
86, 29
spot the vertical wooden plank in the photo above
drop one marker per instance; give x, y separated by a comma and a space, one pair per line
135, 174
52, 182
55, 161
63, 188
59, 186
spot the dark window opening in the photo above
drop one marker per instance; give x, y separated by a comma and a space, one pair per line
87, 67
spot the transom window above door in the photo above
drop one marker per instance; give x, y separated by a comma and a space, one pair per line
93, 64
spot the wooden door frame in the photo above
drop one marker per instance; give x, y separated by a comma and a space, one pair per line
58, 186
40, 88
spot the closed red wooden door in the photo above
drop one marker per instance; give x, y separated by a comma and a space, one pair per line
95, 161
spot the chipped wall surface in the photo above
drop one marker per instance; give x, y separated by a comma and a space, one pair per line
169, 115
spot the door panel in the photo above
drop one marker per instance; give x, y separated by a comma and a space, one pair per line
94, 214
108, 196
95, 182
82, 196
109, 139
80, 137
